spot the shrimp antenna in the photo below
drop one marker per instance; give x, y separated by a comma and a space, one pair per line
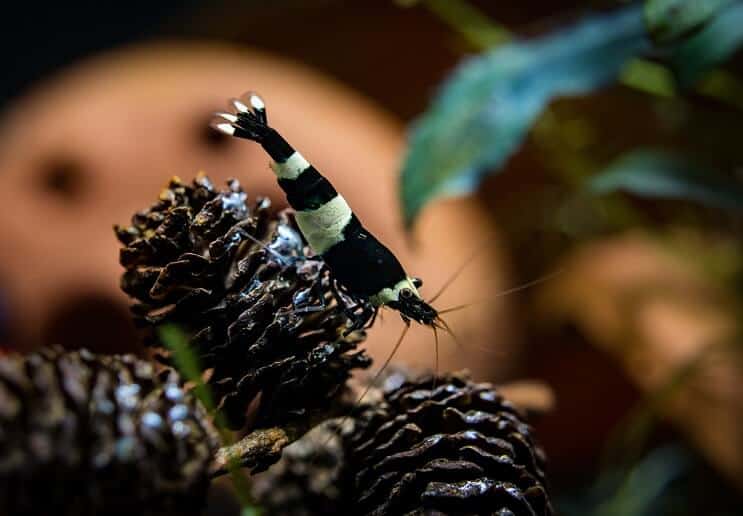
513, 290
436, 354
456, 308
381, 369
445, 326
265, 247
372, 382
456, 274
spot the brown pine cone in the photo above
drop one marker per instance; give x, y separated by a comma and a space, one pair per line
454, 448
259, 310
307, 481
462, 450
86, 434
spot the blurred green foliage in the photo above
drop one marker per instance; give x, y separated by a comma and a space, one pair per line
637, 491
713, 44
486, 108
654, 173
642, 487
484, 111
668, 20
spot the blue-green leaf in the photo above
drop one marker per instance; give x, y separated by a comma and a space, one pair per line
485, 109
712, 45
650, 173
668, 20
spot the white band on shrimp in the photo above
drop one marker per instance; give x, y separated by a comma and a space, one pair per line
292, 168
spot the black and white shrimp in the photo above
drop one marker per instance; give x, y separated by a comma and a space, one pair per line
366, 269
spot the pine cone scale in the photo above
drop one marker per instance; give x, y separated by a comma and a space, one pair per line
257, 308
458, 448
136, 441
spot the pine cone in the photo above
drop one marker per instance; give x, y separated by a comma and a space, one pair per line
307, 481
262, 317
456, 448
86, 434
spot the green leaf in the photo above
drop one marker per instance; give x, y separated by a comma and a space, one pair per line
714, 44
474, 26
646, 483
650, 173
668, 20
485, 109
186, 361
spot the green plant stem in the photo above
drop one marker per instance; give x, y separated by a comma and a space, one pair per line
188, 364
473, 25
723, 87
649, 77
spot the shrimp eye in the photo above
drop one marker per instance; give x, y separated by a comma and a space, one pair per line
406, 293
417, 282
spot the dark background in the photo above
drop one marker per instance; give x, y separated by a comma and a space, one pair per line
412, 50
